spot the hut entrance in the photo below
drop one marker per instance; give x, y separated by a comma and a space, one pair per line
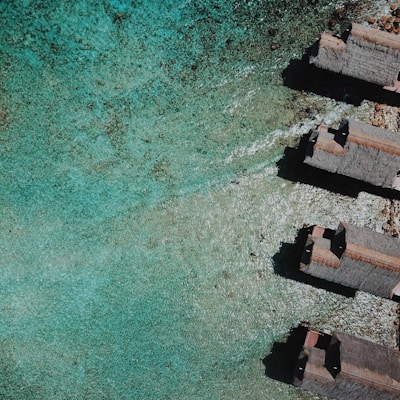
338, 242
396, 298
395, 293
332, 357
396, 181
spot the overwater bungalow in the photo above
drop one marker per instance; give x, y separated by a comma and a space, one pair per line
357, 150
363, 53
356, 257
343, 366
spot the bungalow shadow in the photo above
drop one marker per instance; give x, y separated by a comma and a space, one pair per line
302, 76
287, 263
281, 361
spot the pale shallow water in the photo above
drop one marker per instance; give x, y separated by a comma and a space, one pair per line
139, 143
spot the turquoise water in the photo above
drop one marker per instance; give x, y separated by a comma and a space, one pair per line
138, 148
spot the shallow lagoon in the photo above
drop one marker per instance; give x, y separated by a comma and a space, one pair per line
141, 211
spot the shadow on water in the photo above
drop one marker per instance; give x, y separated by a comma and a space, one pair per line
303, 76
292, 168
287, 262
280, 363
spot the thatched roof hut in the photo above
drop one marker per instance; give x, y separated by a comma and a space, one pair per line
345, 367
354, 257
357, 150
361, 52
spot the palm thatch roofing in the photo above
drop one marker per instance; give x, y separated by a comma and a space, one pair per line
363, 53
354, 257
343, 366
357, 150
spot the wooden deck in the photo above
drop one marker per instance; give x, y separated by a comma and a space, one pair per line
327, 143
325, 257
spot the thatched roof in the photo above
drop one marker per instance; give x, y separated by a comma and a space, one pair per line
354, 257
357, 150
380, 364
361, 52
346, 367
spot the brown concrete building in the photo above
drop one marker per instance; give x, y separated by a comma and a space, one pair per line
363, 53
345, 367
357, 150
354, 257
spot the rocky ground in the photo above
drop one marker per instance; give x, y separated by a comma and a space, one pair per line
382, 15
388, 117
385, 116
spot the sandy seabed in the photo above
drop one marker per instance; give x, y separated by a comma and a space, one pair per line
142, 214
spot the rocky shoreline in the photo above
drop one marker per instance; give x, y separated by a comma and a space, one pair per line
385, 116
384, 16
388, 117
